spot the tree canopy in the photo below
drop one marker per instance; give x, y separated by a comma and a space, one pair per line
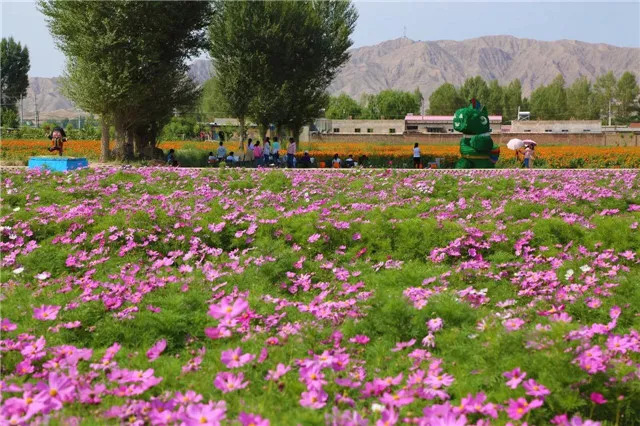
14, 63
275, 59
119, 66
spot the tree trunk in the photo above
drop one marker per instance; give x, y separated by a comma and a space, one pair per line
105, 154
241, 120
128, 152
120, 139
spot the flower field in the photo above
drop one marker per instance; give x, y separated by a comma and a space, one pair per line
253, 297
379, 154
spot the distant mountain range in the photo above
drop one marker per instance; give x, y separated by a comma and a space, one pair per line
406, 64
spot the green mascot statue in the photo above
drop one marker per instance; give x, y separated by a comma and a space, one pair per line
477, 150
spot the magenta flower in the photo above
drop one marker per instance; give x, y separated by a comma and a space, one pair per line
397, 399
435, 324
225, 309
56, 390
534, 389
46, 312
234, 358
313, 238
513, 324
247, 419
314, 399
228, 382
598, 398
7, 325
280, 371
155, 350
200, 414
388, 417
516, 376
360, 339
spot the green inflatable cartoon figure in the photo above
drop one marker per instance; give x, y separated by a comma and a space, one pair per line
477, 150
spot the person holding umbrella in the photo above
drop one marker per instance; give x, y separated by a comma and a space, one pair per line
529, 147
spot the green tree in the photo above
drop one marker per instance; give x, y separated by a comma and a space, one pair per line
213, 104
495, 101
475, 87
581, 100
550, 102
119, 66
391, 104
512, 100
343, 106
445, 100
605, 90
15, 65
626, 94
237, 56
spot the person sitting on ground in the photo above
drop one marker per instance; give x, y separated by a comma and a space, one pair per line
230, 159
306, 160
211, 160
349, 162
58, 137
222, 152
171, 157
362, 161
335, 163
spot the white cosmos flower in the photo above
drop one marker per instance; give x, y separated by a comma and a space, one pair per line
18, 270
377, 408
568, 274
16, 209
585, 268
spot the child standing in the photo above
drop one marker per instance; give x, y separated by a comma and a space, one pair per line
416, 156
58, 137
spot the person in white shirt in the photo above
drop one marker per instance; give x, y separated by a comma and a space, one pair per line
211, 160
416, 156
336, 162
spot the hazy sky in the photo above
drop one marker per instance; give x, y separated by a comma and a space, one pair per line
616, 23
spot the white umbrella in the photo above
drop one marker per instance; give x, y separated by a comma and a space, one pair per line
514, 144
529, 142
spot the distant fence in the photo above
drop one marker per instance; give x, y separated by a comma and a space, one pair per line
569, 139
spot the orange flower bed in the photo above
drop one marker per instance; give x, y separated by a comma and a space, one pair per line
378, 153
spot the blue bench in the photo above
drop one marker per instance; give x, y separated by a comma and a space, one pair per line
57, 164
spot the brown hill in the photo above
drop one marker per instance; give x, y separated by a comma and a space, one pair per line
406, 64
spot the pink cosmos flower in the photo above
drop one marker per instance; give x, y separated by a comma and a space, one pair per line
518, 408
535, 389
402, 345
619, 344
360, 339
43, 275
435, 324
516, 376
598, 398
280, 371
314, 399
247, 419
513, 324
225, 309
46, 312
7, 325
313, 238
356, 236
389, 417
155, 350
228, 382
234, 358
199, 414
56, 390
397, 399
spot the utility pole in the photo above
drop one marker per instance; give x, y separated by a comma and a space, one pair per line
35, 103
